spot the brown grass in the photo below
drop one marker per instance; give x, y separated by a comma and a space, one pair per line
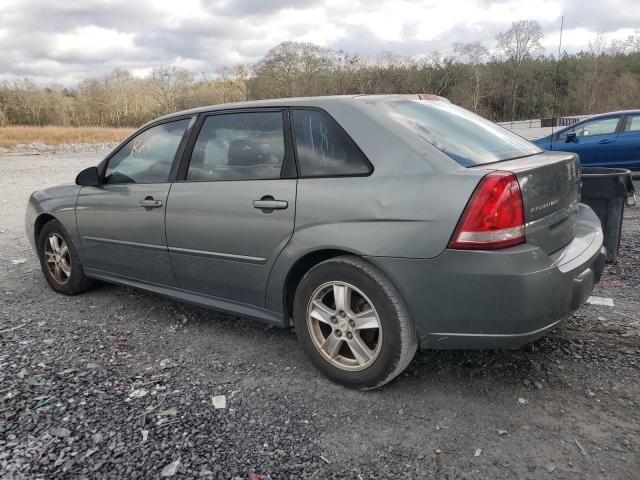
10, 136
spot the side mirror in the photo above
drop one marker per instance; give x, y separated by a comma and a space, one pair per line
571, 137
89, 177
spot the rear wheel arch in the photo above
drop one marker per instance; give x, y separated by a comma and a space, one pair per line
298, 270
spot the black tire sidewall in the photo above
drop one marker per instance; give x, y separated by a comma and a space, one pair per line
390, 352
77, 281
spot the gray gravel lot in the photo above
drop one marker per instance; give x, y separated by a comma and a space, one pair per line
78, 374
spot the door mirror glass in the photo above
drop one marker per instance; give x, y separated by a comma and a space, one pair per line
89, 177
571, 137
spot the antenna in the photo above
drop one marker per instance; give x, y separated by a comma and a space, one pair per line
555, 92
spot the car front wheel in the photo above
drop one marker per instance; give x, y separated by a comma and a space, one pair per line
353, 324
60, 262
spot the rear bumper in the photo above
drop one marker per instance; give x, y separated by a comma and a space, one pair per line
498, 299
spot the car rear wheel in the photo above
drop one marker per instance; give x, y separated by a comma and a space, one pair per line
353, 324
60, 262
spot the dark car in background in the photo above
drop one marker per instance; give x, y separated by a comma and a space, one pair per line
606, 140
373, 224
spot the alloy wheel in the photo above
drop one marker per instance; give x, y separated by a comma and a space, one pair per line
57, 258
344, 326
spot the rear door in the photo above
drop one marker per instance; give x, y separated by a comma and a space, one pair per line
627, 148
232, 210
594, 141
121, 222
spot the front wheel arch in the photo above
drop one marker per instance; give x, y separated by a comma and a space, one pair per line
40, 222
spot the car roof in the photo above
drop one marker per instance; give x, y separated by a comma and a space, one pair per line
612, 114
318, 101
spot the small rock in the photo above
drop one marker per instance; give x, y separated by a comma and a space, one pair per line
61, 432
538, 385
18, 261
477, 452
522, 401
97, 437
165, 363
145, 435
502, 432
219, 401
49, 341
138, 393
171, 469
551, 467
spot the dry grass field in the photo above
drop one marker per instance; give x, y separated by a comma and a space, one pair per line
10, 136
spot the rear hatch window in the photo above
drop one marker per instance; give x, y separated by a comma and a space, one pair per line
464, 136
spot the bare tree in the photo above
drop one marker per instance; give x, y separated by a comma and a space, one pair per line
166, 84
475, 55
597, 48
519, 43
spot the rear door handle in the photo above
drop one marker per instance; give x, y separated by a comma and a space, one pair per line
149, 202
605, 141
269, 203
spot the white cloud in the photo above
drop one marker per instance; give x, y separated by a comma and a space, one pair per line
91, 41
66, 40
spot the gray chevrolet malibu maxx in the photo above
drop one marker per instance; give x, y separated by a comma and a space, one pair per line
372, 224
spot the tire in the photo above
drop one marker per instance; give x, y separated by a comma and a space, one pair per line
68, 278
334, 342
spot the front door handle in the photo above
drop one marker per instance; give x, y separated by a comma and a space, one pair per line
269, 203
605, 141
149, 202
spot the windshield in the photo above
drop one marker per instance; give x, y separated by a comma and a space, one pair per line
466, 137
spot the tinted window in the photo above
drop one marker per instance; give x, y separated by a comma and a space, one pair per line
323, 148
238, 146
466, 137
596, 127
148, 157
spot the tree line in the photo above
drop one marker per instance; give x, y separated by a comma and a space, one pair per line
515, 80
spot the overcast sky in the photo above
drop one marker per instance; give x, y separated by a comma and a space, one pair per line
65, 41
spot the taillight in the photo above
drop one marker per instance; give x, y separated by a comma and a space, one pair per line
494, 216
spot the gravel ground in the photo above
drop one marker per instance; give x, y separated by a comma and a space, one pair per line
118, 383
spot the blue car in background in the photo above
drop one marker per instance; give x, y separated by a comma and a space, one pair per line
606, 140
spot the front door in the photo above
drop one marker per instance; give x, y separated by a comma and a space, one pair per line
594, 141
121, 222
234, 211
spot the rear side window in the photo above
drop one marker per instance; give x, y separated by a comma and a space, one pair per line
633, 124
464, 136
238, 146
323, 148
147, 158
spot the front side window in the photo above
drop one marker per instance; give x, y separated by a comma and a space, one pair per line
238, 146
323, 148
605, 126
147, 158
464, 136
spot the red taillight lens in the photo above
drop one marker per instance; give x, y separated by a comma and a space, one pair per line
494, 216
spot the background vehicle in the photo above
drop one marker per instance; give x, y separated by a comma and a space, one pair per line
607, 140
371, 223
